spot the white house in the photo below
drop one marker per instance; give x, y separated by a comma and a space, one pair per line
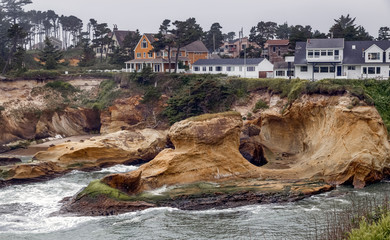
246, 68
335, 58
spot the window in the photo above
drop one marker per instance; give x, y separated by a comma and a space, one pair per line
279, 53
324, 69
378, 70
280, 73
210, 69
389, 55
204, 69
317, 53
316, 69
250, 69
336, 52
158, 54
144, 55
274, 49
196, 69
331, 69
310, 53
353, 47
144, 44
330, 52
323, 52
132, 65
374, 56
290, 73
371, 70
165, 54
364, 70
352, 68
138, 55
229, 69
180, 54
303, 68
218, 68
150, 55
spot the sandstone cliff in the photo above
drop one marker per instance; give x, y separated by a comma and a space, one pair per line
317, 137
28, 110
123, 147
327, 137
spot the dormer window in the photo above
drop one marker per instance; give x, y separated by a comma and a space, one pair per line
144, 44
374, 56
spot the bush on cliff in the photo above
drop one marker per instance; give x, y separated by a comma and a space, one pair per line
39, 74
108, 92
200, 96
64, 88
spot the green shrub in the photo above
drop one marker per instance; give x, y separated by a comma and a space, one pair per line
151, 94
108, 92
40, 74
375, 231
260, 105
64, 88
201, 95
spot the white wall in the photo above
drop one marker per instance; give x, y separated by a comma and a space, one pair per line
309, 74
236, 70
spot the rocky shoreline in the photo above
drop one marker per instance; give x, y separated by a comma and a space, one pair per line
103, 205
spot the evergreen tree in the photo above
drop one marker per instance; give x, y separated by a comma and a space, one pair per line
164, 41
262, 32
384, 33
346, 28
185, 32
50, 55
214, 38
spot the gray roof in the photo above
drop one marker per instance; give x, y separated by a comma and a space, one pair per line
351, 56
197, 46
228, 61
325, 43
355, 56
150, 37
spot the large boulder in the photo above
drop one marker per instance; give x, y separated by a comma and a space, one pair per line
206, 149
119, 147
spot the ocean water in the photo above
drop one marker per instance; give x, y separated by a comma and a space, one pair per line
26, 212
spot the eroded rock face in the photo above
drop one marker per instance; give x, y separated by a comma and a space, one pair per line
130, 113
206, 149
322, 136
123, 147
110, 149
30, 125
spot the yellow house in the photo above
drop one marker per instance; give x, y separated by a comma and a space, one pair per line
158, 61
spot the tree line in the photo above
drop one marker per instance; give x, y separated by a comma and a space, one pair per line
22, 30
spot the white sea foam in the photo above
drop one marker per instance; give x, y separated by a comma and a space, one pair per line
119, 169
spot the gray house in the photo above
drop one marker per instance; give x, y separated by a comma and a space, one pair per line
335, 58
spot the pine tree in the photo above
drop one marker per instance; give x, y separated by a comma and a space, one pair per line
50, 55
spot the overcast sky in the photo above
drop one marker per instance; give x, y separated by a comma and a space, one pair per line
232, 15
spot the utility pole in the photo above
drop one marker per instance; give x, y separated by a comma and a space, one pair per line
214, 42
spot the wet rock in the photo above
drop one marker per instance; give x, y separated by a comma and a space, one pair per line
9, 161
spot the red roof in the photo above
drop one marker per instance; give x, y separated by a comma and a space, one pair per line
277, 42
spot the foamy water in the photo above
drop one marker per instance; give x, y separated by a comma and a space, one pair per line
26, 212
